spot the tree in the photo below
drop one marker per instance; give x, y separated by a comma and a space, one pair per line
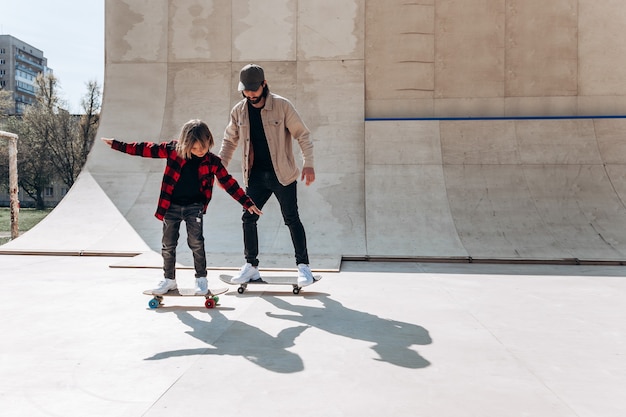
6, 103
53, 144
33, 164
68, 137
90, 120
4, 164
38, 129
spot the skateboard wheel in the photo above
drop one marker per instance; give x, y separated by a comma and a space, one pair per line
240, 290
209, 303
154, 303
296, 290
216, 299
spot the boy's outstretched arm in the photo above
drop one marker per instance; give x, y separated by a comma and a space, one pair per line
143, 149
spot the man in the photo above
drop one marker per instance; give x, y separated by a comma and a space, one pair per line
267, 124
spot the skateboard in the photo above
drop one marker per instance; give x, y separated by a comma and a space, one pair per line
270, 280
211, 297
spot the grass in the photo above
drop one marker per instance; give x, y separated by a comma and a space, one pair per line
27, 219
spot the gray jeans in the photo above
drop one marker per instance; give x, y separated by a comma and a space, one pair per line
192, 216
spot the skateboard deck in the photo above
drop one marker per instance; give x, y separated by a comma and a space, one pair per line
270, 280
211, 297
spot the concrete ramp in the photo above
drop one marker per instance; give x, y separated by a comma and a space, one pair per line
490, 189
128, 186
543, 189
159, 74
497, 189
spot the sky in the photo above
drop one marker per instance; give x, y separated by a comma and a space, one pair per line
71, 35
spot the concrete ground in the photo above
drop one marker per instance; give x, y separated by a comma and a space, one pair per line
389, 339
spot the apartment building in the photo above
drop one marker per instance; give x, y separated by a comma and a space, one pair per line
20, 63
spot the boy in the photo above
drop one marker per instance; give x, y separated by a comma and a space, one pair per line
186, 191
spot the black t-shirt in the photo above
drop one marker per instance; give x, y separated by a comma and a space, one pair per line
187, 189
262, 159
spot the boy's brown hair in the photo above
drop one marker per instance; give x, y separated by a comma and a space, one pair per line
192, 132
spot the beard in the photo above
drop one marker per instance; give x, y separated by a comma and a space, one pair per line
256, 100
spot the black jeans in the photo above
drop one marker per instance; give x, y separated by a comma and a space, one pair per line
193, 217
261, 186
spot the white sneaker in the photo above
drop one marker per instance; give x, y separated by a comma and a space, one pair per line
165, 286
305, 277
202, 286
246, 273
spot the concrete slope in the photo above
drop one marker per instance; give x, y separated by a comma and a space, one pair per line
486, 189
497, 189
159, 75
492, 189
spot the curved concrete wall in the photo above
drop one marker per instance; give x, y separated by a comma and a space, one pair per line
507, 189
462, 58
495, 188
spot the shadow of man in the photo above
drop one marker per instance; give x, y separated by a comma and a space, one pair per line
392, 339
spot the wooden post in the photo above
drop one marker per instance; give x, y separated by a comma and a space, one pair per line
13, 188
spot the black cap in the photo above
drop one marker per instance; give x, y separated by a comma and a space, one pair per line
251, 77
